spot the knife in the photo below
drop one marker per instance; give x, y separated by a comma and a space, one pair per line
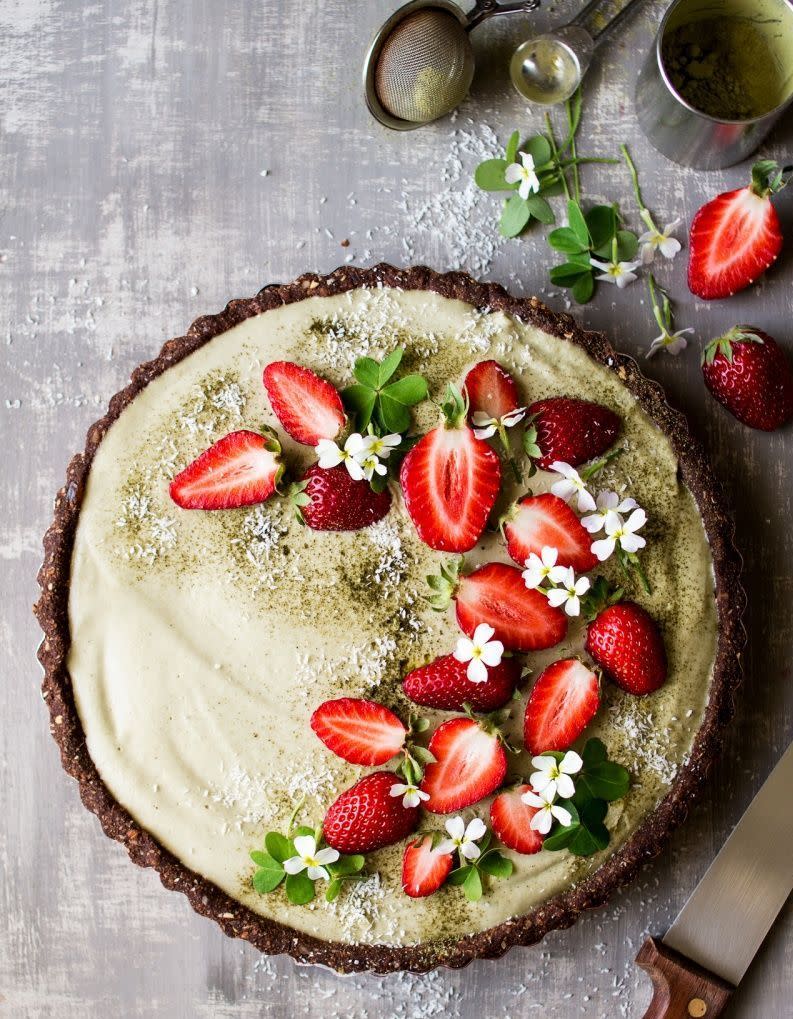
701, 959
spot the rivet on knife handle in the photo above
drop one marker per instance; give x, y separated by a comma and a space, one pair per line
682, 990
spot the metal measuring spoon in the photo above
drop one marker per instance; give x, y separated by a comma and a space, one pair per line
420, 64
549, 68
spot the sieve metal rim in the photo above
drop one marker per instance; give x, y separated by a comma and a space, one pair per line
373, 53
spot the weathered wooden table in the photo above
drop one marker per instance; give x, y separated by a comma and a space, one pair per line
158, 158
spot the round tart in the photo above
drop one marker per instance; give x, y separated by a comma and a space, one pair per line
187, 650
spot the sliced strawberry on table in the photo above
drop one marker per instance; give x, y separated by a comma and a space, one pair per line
537, 521
625, 640
736, 236
572, 430
443, 684
337, 502
424, 869
470, 763
747, 371
450, 481
366, 816
240, 469
511, 819
307, 406
359, 731
561, 705
491, 389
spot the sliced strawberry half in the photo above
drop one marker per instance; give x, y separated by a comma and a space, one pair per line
240, 469
511, 819
366, 816
491, 389
444, 684
470, 763
572, 430
522, 618
359, 731
424, 869
307, 406
736, 236
450, 481
537, 521
561, 705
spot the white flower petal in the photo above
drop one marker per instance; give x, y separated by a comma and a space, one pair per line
354, 469
542, 821
476, 671
482, 634
513, 173
603, 266
532, 800
411, 798
585, 501
669, 247
540, 780
624, 279
632, 542
486, 432
562, 575
327, 855
544, 763
294, 865
549, 555
398, 789
593, 523
557, 597
464, 650
573, 606
564, 787
305, 845
581, 586
470, 850
317, 873
636, 520
455, 826
613, 523
604, 548
533, 577
563, 816
355, 443
571, 763
513, 418
476, 829
445, 848
492, 652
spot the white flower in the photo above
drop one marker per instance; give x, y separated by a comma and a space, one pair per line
620, 273
524, 175
552, 777
570, 484
309, 859
538, 567
411, 795
463, 838
485, 426
480, 652
673, 343
381, 446
547, 810
606, 501
570, 591
621, 532
371, 465
659, 240
331, 455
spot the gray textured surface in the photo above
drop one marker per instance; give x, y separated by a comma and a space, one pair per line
133, 197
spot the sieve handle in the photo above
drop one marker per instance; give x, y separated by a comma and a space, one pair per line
600, 17
484, 9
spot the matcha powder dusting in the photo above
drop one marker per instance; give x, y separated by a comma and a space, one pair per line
723, 67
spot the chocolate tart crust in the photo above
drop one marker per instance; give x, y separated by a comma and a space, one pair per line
559, 912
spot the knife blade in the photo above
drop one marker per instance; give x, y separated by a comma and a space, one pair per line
709, 947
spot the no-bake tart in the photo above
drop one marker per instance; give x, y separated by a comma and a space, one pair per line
391, 618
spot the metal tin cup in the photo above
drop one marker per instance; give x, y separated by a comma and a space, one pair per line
687, 135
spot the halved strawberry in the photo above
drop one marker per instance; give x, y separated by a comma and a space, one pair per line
366, 816
307, 406
561, 705
450, 480
539, 520
736, 236
491, 389
510, 819
240, 469
470, 763
572, 430
496, 594
424, 869
359, 731
626, 642
444, 684
336, 502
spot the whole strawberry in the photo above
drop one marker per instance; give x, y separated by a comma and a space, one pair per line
747, 371
444, 684
330, 500
571, 430
736, 236
366, 816
626, 642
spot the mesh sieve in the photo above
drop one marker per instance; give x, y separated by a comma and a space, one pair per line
425, 66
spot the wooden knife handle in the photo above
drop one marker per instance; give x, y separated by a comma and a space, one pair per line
682, 990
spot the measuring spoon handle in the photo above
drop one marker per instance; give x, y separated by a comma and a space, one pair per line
600, 17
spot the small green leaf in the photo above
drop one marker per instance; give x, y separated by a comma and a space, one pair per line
367, 371
279, 847
606, 780
551, 185
567, 274
423, 756
299, 888
627, 245
346, 865
303, 829
392, 415
267, 879
566, 240
459, 876
496, 865
583, 288
575, 218
472, 886
514, 216
601, 220
359, 401
332, 891
539, 148
595, 750
540, 209
388, 366
559, 839
591, 835
512, 147
489, 175
410, 390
